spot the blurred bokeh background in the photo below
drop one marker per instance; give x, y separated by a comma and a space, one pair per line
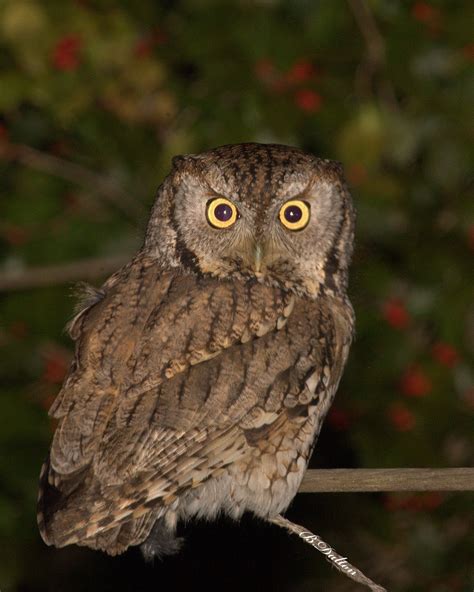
95, 98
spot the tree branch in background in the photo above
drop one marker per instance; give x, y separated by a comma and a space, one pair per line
338, 480
371, 72
106, 187
51, 275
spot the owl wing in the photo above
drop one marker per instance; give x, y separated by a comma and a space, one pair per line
148, 389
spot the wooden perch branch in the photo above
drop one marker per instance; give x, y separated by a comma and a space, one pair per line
339, 480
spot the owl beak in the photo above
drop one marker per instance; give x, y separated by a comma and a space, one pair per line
258, 255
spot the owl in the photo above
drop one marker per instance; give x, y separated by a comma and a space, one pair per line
204, 368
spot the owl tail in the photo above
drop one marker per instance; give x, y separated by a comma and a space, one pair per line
64, 515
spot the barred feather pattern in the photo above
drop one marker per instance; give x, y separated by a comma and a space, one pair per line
192, 393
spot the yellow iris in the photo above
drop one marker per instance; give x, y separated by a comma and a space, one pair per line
221, 213
294, 214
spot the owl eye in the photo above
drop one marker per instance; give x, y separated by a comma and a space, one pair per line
294, 214
221, 213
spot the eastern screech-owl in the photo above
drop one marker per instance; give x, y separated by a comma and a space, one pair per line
204, 368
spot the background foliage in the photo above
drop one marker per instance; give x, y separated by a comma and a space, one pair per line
97, 96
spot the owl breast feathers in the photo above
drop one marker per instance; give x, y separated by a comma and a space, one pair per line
204, 368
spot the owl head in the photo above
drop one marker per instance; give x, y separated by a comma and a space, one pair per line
263, 211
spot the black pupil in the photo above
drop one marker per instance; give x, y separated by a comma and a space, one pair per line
223, 212
293, 214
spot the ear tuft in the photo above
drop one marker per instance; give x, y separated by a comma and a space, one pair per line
181, 159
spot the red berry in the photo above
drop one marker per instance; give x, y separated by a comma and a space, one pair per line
470, 237
3, 133
425, 12
339, 419
56, 367
395, 313
468, 51
301, 71
401, 417
431, 500
308, 100
144, 47
428, 15
415, 383
15, 235
445, 354
415, 502
66, 53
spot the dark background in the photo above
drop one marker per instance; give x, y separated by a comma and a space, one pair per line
95, 98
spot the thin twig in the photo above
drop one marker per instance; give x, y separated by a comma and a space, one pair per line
338, 480
338, 561
374, 65
104, 186
50, 275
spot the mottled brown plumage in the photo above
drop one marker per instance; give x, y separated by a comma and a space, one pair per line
205, 367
